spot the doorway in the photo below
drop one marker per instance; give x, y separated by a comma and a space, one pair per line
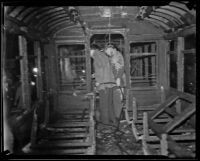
71, 76
102, 40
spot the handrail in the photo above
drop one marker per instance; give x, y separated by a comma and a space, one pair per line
34, 124
91, 150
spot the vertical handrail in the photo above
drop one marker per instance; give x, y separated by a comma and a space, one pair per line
34, 126
92, 132
46, 119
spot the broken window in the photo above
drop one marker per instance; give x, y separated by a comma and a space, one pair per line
143, 64
72, 67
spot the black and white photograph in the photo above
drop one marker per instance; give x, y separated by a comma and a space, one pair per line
98, 80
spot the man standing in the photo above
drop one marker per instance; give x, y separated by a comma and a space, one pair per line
104, 81
117, 63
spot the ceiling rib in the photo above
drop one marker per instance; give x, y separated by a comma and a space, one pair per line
58, 26
26, 12
175, 9
52, 19
44, 19
159, 22
177, 16
159, 18
76, 27
168, 17
179, 5
49, 12
16, 11
35, 13
66, 19
58, 23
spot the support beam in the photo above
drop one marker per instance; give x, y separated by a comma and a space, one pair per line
88, 62
127, 59
52, 76
180, 63
189, 30
37, 52
26, 100
153, 60
146, 62
162, 64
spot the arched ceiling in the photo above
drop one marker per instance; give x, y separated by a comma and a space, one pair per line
50, 19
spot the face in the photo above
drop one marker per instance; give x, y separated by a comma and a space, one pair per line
109, 51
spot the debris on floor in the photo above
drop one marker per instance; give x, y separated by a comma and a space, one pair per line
113, 141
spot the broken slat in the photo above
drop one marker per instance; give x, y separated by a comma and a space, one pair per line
75, 116
176, 131
69, 124
76, 112
63, 144
163, 116
164, 145
145, 126
64, 136
183, 137
68, 110
73, 120
173, 146
59, 152
180, 118
156, 120
70, 130
163, 106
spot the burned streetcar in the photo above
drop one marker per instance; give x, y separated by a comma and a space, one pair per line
87, 79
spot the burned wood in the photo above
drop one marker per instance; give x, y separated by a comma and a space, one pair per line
164, 145
180, 118
180, 63
173, 147
163, 106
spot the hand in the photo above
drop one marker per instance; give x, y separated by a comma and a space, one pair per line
118, 81
97, 84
